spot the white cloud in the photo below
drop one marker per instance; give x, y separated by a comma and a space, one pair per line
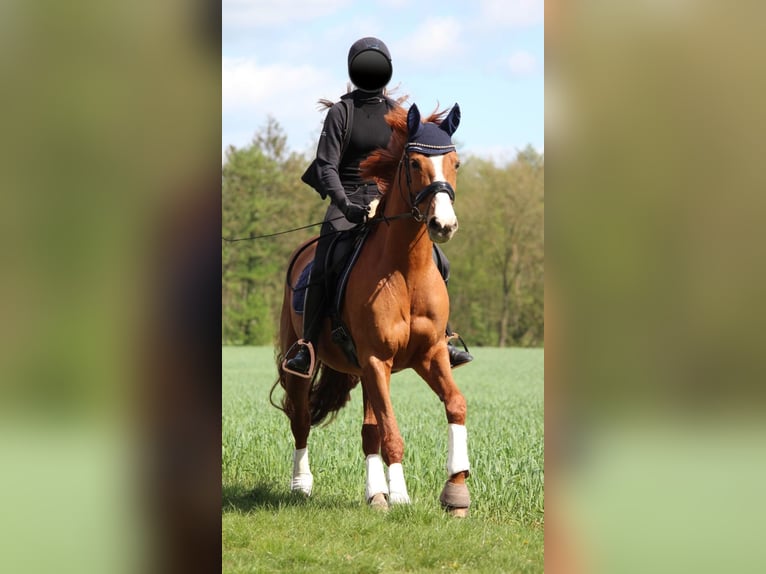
280, 56
435, 38
512, 13
245, 84
267, 13
251, 92
522, 62
394, 3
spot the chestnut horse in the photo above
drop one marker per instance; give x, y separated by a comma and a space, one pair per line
396, 309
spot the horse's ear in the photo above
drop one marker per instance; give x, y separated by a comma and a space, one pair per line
413, 122
452, 121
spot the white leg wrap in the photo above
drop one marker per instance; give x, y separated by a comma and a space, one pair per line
376, 478
302, 479
457, 456
397, 485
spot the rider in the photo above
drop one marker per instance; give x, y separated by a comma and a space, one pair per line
369, 68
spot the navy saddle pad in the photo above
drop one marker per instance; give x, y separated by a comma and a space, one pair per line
299, 293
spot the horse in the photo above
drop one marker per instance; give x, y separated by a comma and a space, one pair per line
396, 308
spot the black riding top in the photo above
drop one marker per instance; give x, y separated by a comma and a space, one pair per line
340, 175
369, 132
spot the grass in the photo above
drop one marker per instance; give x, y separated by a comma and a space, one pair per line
268, 529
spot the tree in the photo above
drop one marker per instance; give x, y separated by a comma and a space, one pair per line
505, 225
262, 194
496, 286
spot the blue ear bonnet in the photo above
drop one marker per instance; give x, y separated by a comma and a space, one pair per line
430, 138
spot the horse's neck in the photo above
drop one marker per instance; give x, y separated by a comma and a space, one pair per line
405, 241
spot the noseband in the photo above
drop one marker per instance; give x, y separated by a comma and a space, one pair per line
430, 190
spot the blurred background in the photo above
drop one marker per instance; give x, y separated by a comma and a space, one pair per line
109, 297
654, 277
110, 225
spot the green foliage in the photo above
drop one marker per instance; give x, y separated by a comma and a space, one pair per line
266, 529
497, 257
496, 288
262, 194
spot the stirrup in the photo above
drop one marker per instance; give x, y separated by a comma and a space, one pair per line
454, 335
312, 362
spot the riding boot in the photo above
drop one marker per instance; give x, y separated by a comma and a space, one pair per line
312, 322
456, 356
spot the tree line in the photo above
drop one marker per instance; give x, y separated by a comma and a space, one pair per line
497, 256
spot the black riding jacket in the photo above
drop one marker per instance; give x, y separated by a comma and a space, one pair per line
340, 175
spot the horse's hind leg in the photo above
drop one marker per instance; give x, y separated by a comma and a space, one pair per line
437, 373
297, 391
296, 406
376, 487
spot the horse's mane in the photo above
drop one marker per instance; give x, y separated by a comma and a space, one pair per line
382, 163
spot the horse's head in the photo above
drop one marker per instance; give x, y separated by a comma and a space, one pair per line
431, 163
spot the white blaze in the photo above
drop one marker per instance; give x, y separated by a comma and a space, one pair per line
443, 211
438, 163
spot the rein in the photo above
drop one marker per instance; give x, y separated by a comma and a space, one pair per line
235, 239
374, 220
415, 213
434, 188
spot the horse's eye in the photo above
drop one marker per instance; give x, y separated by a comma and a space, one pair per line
457, 165
415, 164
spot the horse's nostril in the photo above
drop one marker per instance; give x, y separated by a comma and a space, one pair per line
434, 225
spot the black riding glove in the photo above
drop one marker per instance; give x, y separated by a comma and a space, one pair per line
355, 213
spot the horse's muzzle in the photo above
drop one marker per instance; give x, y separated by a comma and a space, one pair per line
441, 220
440, 232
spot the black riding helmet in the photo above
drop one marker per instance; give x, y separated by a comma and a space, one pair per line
369, 64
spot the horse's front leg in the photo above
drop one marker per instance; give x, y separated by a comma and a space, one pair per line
437, 373
376, 486
376, 379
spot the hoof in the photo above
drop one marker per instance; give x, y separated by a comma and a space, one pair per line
455, 499
378, 502
305, 492
302, 484
458, 512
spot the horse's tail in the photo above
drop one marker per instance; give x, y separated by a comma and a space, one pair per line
284, 404
330, 392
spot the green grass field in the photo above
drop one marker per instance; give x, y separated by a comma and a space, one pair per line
267, 529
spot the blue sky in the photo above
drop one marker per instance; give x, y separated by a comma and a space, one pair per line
281, 56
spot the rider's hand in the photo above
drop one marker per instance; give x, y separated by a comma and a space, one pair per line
355, 213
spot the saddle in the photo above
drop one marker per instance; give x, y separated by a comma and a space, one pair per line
341, 257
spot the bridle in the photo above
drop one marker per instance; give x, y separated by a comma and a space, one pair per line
429, 191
